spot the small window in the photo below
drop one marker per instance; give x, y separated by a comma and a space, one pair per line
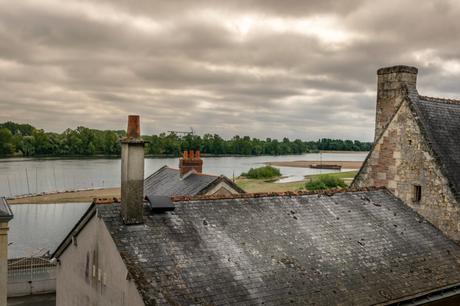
410, 141
87, 266
417, 193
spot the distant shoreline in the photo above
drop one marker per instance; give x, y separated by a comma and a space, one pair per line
102, 156
67, 196
307, 163
341, 151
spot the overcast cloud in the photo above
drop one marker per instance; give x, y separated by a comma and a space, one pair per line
266, 68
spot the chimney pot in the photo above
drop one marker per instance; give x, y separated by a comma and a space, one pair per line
134, 127
191, 161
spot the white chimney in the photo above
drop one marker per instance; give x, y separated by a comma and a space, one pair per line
132, 173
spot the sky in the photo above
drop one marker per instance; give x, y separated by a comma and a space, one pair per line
263, 68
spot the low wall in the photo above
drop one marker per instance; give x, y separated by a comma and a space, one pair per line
31, 287
27, 276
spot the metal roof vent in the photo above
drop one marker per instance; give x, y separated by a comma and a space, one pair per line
160, 203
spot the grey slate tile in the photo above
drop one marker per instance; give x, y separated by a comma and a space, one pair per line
340, 249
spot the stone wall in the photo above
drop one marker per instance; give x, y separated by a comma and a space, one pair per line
402, 159
223, 192
91, 271
221, 189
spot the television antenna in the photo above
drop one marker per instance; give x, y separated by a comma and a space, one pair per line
191, 132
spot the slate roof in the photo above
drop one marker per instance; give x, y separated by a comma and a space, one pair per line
360, 248
440, 123
167, 182
5, 211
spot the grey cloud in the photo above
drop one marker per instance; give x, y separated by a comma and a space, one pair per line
64, 64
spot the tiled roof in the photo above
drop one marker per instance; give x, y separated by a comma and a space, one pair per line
5, 211
353, 248
167, 182
440, 123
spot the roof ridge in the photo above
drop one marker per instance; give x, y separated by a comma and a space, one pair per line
205, 174
330, 192
190, 172
441, 100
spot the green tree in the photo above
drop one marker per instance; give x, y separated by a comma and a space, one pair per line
26, 146
6, 142
325, 181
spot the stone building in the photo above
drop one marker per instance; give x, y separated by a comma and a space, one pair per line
361, 247
5, 216
416, 149
189, 179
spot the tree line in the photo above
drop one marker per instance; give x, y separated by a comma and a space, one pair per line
26, 140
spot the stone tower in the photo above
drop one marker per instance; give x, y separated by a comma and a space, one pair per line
392, 84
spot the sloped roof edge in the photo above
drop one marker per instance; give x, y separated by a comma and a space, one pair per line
380, 137
414, 98
90, 212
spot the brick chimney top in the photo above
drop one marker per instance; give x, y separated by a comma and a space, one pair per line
190, 161
133, 133
134, 126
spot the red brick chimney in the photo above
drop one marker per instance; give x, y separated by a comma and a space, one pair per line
190, 161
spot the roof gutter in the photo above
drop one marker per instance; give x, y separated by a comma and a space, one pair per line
430, 297
90, 212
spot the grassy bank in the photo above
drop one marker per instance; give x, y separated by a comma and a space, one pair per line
343, 175
254, 185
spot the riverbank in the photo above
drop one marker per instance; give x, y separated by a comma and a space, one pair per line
308, 163
117, 156
249, 185
67, 196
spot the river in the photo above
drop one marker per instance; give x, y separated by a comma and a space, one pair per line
20, 176
36, 229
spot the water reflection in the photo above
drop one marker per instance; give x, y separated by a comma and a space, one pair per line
37, 228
